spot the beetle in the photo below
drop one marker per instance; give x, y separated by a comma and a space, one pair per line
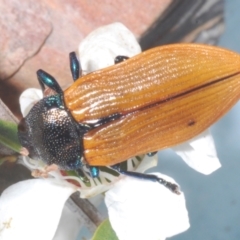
155, 100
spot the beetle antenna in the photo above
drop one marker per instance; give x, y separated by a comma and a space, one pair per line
75, 66
46, 79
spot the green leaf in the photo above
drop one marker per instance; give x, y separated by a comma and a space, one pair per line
8, 135
105, 232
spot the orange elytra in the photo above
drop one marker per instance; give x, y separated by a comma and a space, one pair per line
155, 100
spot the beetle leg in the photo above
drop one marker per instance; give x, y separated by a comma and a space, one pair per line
171, 186
75, 66
46, 79
120, 58
94, 171
150, 154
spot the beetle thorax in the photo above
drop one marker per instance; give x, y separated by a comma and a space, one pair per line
50, 134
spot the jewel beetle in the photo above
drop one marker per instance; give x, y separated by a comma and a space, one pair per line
155, 100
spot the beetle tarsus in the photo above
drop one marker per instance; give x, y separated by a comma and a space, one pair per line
94, 171
75, 66
171, 186
151, 154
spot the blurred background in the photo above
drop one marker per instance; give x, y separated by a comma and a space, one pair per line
41, 34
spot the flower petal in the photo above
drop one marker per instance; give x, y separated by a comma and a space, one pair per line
99, 49
200, 153
28, 98
145, 210
31, 209
69, 225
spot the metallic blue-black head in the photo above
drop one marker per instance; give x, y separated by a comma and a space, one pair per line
49, 132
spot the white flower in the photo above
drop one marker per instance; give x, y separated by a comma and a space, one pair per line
145, 210
32, 209
137, 209
200, 153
